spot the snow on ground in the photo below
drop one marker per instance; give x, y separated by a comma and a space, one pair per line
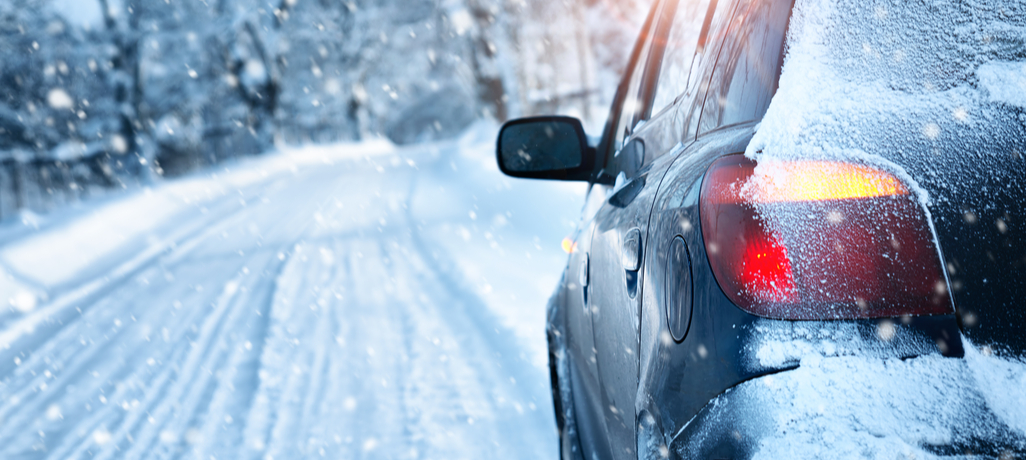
349, 301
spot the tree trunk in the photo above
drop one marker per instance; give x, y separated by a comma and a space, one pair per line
266, 104
126, 63
18, 180
490, 87
353, 114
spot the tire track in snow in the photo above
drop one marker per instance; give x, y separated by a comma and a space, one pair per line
287, 346
110, 341
487, 387
187, 388
362, 343
353, 327
192, 391
96, 359
34, 331
176, 436
215, 407
31, 332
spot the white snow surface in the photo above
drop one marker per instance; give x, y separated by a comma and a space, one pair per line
1005, 82
865, 408
346, 301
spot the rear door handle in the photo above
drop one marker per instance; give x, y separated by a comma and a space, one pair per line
584, 282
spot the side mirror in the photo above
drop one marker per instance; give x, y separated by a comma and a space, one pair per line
545, 148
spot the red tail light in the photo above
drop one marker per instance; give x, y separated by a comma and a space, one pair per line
829, 240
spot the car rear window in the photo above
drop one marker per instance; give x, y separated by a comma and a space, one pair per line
683, 51
748, 65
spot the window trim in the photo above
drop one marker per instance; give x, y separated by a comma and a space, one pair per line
691, 114
732, 27
605, 148
700, 46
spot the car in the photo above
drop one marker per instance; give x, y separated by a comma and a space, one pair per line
730, 295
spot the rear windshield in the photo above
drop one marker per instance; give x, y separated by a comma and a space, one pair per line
747, 67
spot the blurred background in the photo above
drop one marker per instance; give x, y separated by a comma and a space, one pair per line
97, 94
276, 229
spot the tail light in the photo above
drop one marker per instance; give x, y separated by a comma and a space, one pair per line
819, 240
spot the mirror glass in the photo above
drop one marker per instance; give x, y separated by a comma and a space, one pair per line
549, 145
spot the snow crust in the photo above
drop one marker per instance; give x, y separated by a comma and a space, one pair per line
784, 344
927, 91
859, 408
1001, 380
850, 397
849, 63
931, 76
1005, 82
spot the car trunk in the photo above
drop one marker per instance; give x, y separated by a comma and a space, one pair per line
936, 94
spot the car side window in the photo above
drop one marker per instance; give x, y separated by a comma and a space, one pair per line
633, 106
748, 66
719, 21
684, 48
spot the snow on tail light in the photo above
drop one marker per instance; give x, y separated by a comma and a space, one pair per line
819, 240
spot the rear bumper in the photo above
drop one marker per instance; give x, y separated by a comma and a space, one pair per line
861, 407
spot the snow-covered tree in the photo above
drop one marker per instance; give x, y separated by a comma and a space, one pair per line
162, 87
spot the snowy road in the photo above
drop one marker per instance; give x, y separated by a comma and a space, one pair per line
378, 305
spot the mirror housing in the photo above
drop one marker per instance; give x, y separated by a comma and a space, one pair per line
550, 147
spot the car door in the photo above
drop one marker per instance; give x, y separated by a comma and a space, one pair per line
588, 400
617, 244
618, 240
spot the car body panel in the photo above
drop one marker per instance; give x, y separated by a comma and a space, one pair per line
580, 343
615, 308
618, 290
